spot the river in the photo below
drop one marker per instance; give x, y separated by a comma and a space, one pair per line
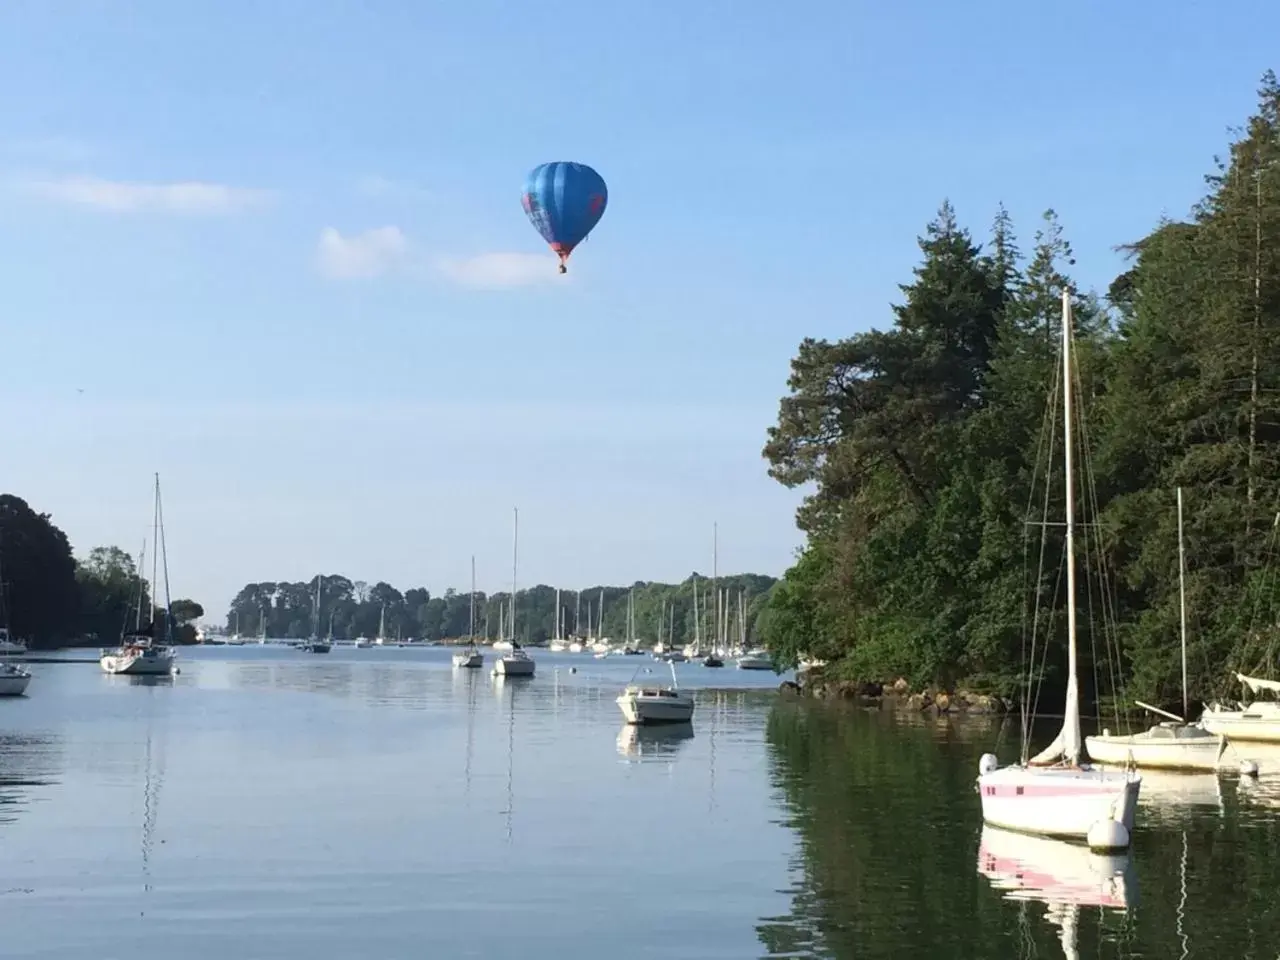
376, 804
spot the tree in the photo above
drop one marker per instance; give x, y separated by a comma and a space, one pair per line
39, 599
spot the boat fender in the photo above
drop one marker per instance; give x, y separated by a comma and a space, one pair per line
1248, 768
987, 764
1108, 835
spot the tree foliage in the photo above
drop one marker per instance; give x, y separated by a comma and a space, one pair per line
918, 446
352, 609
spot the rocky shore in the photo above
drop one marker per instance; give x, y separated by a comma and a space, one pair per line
896, 696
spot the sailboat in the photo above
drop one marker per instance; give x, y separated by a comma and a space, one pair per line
1055, 794
262, 628
13, 678
515, 663
714, 658
1173, 744
314, 644
381, 639
139, 653
557, 640
471, 657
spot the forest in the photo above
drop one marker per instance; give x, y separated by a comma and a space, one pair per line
51, 599
917, 446
350, 609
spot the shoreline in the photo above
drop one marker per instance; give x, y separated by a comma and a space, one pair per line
895, 697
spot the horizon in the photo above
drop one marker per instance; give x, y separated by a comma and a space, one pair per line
303, 290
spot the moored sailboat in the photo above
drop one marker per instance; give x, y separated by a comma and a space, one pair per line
1056, 793
470, 658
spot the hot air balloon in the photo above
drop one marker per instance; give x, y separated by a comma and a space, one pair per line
564, 201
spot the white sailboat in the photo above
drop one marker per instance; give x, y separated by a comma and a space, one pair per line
716, 657
1255, 721
1055, 794
516, 663
1173, 744
139, 653
557, 640
470, 658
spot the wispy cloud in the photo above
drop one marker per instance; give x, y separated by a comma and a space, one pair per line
362, 256
494, 271
122, 196
382, 188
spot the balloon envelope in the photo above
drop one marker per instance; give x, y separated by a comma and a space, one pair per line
564, 201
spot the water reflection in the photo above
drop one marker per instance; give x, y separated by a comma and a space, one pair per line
1062, 876
26, 762
639, 743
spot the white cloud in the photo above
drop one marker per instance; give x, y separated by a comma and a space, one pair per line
361, 256
501, 270
120, 196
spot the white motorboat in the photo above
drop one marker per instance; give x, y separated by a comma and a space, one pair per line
10, 647
361, 643
470, 658
755, 660
1173, 744
1054, 794
651, 703
13, 680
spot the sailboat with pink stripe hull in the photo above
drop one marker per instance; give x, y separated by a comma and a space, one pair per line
1057, 793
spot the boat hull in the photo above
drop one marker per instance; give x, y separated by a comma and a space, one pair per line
137, 665
14, 685
514, 667
1254, 725
1057, 802
1181, 753
640, 710
468, 661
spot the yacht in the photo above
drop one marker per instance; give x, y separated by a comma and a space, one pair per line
13, 680
755, 660
470, 658
1173, 744
140, 653
515, 663
651, 703
139, 656
9, 647
1256, 721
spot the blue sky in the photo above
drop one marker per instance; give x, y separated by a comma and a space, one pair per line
310, 211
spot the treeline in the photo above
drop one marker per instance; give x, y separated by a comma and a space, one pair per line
50, 599
350, 609
920, 443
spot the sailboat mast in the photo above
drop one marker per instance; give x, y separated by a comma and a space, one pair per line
155, 553
1182, 608
142, 579
577, 613
471, 631
1071, 722
515, 546
715, 576
558, 611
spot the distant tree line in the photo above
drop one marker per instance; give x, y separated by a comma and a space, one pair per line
350, 609
918, 443
50, 599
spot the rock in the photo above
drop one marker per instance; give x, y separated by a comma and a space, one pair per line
919, 702
869, 688
942, 703
900, 685
789, 688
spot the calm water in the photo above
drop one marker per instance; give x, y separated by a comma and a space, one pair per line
377, 804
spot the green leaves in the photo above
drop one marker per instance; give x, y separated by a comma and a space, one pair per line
921, 442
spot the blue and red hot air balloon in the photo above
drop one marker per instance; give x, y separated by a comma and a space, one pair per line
564, 202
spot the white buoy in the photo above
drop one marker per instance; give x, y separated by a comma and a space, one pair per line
1248, 768
987, 764
573, 669
1108, 835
